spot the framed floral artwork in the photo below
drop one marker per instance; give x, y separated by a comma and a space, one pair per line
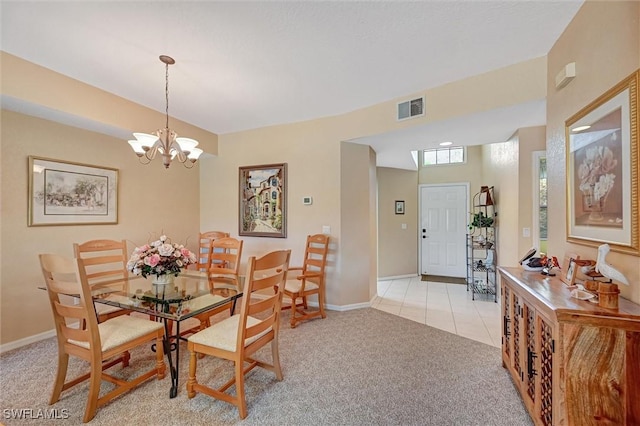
66, 193
602, 170
263, 201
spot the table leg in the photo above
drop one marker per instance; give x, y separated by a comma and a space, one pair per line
174, 371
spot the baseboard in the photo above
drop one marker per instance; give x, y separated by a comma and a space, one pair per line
328, 307
27, 341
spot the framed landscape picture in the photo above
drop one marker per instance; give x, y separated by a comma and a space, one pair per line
263, 201
66, 193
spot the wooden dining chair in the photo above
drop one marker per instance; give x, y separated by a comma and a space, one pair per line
238, 337
311, 280
204, 248
105, 263
102, 345
224, 274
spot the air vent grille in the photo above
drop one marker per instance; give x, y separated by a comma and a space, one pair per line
410, 109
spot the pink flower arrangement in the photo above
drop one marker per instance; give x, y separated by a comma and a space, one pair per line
160, 258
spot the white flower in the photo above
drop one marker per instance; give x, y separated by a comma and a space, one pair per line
165, 250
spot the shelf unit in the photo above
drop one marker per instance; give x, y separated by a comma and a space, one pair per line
481, 246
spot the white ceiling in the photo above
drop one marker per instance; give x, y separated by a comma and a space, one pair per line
244, 65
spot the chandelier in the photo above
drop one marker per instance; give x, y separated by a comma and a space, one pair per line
165, 141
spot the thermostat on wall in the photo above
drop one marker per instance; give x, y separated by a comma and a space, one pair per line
307, 201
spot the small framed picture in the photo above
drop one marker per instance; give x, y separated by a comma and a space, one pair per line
569, 266
399, 207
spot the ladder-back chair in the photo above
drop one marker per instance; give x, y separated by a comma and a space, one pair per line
224, 274
311, 280
105, 263
102, 345
238, 337
204, 248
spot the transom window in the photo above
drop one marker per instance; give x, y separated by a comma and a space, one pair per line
448, 155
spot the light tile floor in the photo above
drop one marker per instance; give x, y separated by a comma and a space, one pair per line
445, 306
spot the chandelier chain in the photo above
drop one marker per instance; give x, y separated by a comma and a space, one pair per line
166, 91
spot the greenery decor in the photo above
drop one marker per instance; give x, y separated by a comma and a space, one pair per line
480, 221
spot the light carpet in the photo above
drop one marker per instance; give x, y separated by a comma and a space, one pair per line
360, 367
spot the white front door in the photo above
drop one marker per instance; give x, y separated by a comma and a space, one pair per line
443, 229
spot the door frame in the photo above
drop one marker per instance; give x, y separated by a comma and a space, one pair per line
467, 186
535, 231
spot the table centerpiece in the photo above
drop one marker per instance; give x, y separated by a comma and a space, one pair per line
160, 258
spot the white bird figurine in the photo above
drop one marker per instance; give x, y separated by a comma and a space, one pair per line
607, 270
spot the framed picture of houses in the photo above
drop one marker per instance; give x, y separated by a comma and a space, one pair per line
66, 193
263, 201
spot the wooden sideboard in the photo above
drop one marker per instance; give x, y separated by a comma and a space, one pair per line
573, 362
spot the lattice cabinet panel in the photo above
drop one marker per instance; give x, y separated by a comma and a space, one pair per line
530, 330
506, 321
517, 337
547, 347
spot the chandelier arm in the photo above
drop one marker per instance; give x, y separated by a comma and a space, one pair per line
184, 163
151, 153
142, 158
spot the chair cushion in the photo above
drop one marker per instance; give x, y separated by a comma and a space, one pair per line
120, 330
102, 309
294, 286
224, 334
204, 301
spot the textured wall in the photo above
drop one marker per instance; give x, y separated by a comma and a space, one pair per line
603, 40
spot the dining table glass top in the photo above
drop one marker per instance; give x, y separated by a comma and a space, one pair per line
190, 294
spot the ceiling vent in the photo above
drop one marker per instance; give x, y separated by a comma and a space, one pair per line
410, 109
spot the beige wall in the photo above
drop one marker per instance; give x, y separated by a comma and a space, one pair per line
500, 170
358, 279
151, 200
530, 139
397, 247
603, 40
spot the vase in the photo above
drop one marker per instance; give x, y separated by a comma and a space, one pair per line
593, 206
163, 279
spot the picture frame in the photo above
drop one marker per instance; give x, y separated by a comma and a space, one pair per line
602, 170
568, 274
399, 207
68, 193
263, 201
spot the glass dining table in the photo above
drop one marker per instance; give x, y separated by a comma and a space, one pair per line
189, 295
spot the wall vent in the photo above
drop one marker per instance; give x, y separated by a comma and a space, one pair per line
410, 109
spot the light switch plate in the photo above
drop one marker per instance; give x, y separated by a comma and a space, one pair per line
326, 230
